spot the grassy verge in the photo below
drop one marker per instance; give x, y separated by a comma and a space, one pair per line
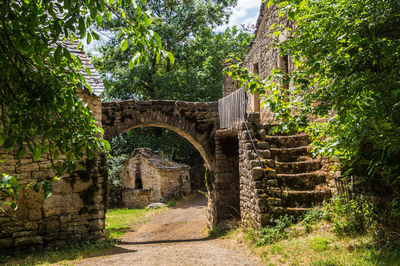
319, 247
338, 234
118, 222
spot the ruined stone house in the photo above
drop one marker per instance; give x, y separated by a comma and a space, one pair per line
147, 177
75, 211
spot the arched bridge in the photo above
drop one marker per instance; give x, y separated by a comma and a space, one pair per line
195, 121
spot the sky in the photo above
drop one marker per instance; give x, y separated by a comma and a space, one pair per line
245, 12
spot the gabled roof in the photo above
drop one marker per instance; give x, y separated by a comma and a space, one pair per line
94, 80
158, 161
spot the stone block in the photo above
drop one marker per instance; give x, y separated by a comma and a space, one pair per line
62, 204
28, 240
6, 242
61, 187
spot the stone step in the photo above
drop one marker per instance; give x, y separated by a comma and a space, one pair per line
304, 198
291, 141
306, 181
297, 167
291, 154
262, 145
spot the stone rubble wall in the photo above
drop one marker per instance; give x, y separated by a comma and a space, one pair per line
136, 198
224, 192
74, 212
254, 193
228, 84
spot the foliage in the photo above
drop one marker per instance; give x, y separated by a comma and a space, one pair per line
275, 232
345, 90
168, 142
335, 234
353, 216
185, 29
313, 216
40, 109
115, 164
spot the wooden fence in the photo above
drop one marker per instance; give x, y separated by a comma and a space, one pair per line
232, 109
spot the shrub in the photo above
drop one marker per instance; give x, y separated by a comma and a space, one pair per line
277, 231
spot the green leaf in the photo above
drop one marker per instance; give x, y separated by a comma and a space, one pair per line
124, 44
157, 38
36, 186
14, 205
171, 57
57, 54
47, 189
37, 152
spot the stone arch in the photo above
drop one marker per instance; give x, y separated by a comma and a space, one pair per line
199, 146
196, 122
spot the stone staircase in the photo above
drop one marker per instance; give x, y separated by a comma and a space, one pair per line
296, 181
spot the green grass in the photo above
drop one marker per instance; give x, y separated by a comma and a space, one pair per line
120, 221
321, 246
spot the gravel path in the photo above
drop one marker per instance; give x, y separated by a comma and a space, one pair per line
174, 237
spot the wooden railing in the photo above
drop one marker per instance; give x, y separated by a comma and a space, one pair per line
232, 109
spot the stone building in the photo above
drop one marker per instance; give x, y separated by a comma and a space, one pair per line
277, 174
75, 211
147, 177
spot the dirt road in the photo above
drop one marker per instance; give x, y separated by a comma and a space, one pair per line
174, 237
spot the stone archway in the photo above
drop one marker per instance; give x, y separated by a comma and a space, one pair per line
194, 121
197, 122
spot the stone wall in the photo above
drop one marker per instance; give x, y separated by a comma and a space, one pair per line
74, 212
261, 58
136, 198
224, 192
228, 84
254, 192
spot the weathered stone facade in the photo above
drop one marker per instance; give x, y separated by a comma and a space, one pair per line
261, 57
147, 177
74, 212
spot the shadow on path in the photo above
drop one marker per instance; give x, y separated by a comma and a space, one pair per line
164, 241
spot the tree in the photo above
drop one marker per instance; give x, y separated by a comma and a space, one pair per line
347, 55
40, 110
185, 29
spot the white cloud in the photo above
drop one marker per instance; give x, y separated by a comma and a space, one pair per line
245, 12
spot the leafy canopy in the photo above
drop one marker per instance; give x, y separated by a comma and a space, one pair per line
40, 109
185, 29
